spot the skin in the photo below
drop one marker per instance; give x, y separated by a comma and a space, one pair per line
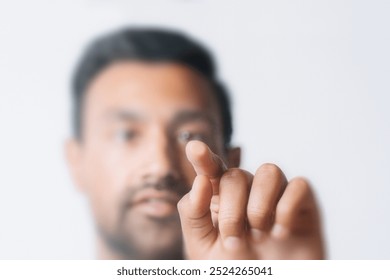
153, 140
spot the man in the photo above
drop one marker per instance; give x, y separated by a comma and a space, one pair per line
152, 141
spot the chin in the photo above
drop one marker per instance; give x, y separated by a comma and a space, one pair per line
151, 238
162, 245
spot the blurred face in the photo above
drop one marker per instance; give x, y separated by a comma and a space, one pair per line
131, 163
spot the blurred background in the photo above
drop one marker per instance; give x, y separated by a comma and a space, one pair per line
310, 81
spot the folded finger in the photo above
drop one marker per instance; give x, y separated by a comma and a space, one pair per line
233, 198
268, 184
297, 199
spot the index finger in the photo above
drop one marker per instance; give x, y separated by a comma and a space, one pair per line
205, 162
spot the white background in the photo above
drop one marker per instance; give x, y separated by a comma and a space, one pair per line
310, 82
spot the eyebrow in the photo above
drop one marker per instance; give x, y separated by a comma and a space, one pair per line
192, 116
182, 117
123, 114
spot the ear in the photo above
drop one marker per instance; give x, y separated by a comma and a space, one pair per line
73, 156
233, 157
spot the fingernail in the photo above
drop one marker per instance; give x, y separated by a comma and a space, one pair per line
256, 234
232, 242
279, 231
214, 205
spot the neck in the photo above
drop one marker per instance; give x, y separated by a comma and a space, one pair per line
106, 252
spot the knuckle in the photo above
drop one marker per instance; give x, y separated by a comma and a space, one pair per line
260, 218
284, 209
258, 213
230, 221
182, 204
269, 169
234, 174
301, 182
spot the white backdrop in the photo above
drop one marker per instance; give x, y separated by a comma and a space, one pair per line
310, 82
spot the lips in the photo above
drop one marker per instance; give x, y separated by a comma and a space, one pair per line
155, 203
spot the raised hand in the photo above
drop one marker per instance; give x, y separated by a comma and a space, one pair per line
231, 214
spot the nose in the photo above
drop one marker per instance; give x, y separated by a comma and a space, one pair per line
162, 158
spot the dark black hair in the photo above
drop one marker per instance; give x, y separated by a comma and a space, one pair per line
146, 44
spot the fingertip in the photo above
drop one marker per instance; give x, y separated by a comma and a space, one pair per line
196, 151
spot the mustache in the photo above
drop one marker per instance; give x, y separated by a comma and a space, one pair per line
168, 183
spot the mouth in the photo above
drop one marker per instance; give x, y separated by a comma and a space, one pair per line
155, 203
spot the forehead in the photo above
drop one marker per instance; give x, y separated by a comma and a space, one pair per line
157, 88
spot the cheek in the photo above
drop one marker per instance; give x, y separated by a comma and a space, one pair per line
104, 172
107, 177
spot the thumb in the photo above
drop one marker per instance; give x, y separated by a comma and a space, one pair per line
195, 215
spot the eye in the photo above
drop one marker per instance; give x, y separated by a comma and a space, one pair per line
186, 136
125, 135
